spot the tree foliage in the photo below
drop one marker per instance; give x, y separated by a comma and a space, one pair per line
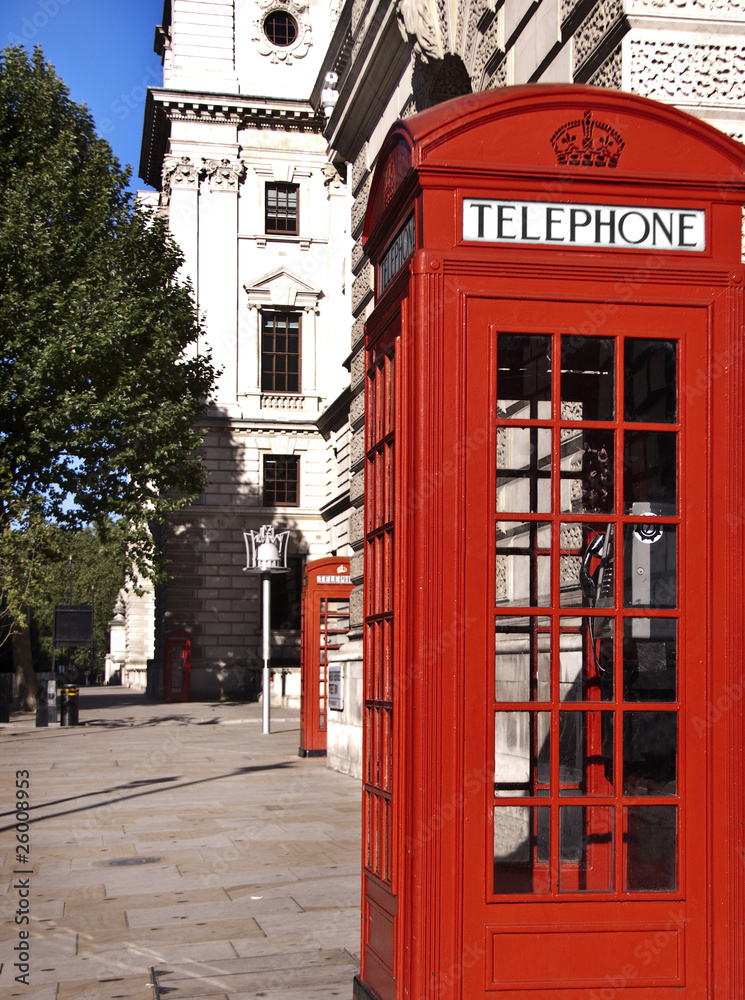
91, 572
101, 381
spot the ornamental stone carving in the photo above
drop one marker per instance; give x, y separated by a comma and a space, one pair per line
299, 48
360, 168
500, 77
567, 6
179, 172
360, 205
362, 288
331, 176
733, 9
488, 51
419, 23
594, 29
681, 71
610, 73
224, 175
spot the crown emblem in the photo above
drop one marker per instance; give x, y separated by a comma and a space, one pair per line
587, 143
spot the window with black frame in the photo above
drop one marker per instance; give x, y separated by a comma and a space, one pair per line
281, 481
281, 216
280, 352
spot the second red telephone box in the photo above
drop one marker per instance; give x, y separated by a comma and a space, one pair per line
325, 624
177, 666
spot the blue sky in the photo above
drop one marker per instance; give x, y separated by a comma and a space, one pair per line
103, 50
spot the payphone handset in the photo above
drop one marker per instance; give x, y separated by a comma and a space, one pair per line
596, 574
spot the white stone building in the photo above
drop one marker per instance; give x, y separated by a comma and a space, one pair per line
216, 144
238, 155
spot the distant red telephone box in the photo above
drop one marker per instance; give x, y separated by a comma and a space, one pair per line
177, 666
554, 796
325, 624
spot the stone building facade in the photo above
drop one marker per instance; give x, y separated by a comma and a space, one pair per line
393, 59
214, 141
237, 154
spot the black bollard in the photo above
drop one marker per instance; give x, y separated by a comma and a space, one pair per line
6, 696
69, 700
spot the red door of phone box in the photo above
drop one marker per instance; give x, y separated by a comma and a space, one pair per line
325, 624
177, 666
555, 550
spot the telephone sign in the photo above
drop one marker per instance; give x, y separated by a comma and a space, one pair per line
541, 222
554, 554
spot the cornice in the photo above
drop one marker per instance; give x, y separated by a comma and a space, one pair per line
369, 61
164, 106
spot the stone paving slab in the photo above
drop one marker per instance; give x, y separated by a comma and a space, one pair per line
180, 838
280, 970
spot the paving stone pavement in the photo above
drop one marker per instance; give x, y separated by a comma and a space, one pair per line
177, 852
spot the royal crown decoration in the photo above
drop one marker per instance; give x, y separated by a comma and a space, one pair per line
587, 143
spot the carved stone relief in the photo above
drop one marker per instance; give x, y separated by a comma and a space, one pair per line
487, 47
734, 9
286, 54
331, 176
419, 23
610, 73
500, 76
179, 172
594, 29
682, 71
360, 205
567, 6
360, 167
224, 175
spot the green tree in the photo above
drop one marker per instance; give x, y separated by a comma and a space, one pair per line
92, 572
101, 380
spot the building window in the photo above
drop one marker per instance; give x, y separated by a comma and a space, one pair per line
281, 209
280, 352
281, 481
280, 28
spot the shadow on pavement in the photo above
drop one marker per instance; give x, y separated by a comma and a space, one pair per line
280, 765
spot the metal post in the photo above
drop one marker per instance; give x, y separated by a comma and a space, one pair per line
266, 553
266, 590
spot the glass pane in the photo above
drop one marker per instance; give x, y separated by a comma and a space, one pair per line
523, 470
521, 849
522, 659
586, 753
650, 741
586, 565
523, 563
649, 659
650, 848
649, 472
650, 373
586, 378
586, 471
523, 376
521, 752
586, 659
585, 848
649, 578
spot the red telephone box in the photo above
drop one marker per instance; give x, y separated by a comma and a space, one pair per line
177, 666
324, 627
555, 554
